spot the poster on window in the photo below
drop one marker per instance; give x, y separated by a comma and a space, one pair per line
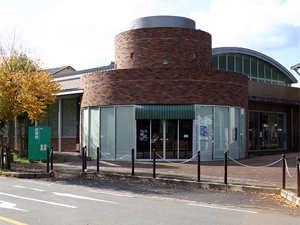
143, 135
203, 132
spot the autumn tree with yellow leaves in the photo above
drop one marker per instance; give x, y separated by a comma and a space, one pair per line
25, 90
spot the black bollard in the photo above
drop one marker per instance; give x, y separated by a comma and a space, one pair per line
85, 161
283, 171
154, 157
51, 155
98, 158
2, 158
225, 167
48, 160
298, 176
132, 162
82, 154
198, 165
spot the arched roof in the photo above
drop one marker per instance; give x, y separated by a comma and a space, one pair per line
249, 52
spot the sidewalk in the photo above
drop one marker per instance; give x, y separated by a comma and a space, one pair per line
255, 178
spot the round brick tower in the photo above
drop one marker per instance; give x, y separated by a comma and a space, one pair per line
164, 60
163, 42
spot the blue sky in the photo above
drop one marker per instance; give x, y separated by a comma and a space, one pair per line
81, 33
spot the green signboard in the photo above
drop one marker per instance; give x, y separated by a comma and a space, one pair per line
39, 139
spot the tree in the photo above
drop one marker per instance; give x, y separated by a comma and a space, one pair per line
25, 90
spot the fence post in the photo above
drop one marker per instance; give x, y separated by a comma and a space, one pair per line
154, 157
198, 165
132, 162
82, 154
85, 161
48, 160
2, 158
298, 176
51, 158
98, 158
225, 167
283, 171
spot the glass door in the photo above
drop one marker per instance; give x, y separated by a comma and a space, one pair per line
171, 139
185, 139
157, 137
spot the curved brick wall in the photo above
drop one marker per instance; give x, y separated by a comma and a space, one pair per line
165, 86
152, 45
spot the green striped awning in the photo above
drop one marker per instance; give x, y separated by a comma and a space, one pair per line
164, 112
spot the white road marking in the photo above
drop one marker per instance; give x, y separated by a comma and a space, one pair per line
216, 207
81, 197
17, 186
35, 182
109, 193
9, 205
37, 200
35, 189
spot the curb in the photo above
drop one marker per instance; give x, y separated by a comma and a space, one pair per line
291, 196
28, 175
194, 184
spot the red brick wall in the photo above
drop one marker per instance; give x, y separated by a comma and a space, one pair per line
165, 86
67, 144
151, 45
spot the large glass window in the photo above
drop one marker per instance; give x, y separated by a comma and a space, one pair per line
222, 62
253, 130
107, 138
124, 132
230, 60
94, 132
69, 117
271, 131
256, 69
221, 131
143, 139
234, 148
205, 131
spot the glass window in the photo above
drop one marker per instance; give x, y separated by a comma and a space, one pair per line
85, 127
264, 129
253, 130
215, 62
69, 117
281, 76
230, 62
124, 131
143, 139
268, 81
234, 149
222, 62
280, 132
107, 134
268, 72
185, 139
239, 63
261, 72
253, 68
246, 65
243, 134
221, 131
274, 74
94, 129
272, 125
205, 131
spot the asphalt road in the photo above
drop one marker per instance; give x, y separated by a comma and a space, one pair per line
110, 201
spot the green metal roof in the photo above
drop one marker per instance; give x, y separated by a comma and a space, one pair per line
164, 112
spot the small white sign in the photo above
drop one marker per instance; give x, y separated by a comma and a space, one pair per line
186, 136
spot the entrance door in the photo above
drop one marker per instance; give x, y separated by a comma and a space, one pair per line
171, 139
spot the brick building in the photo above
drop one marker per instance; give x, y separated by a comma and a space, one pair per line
170, 91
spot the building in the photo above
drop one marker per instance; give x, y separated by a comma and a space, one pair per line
170, 91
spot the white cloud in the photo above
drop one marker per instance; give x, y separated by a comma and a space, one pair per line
258, 24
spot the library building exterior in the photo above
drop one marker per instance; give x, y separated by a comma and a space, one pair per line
169, 90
